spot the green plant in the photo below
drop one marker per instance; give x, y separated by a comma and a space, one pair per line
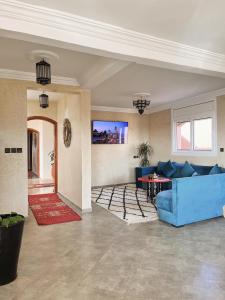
11, 219
144, 152
52, 157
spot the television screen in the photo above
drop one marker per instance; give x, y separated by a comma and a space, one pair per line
109, 132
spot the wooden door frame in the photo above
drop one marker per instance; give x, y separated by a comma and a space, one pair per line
55, 143
38, 148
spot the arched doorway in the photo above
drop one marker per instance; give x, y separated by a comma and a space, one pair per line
55, 145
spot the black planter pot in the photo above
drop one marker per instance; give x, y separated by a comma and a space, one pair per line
10, 242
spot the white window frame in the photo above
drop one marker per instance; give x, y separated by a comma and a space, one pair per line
190, 117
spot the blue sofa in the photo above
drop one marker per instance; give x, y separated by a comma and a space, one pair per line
191, 199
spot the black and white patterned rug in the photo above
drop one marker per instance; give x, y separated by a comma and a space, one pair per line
126, 202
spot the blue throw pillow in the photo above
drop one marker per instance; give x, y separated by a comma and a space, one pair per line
187, 170
160, 166
215, 170
168, 169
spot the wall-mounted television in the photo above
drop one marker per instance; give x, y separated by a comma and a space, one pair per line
109, 132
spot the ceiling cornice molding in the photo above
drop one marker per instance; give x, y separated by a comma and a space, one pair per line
19, 75
64, 27
114, 109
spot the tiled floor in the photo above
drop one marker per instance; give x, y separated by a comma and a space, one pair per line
103, 258
43, 190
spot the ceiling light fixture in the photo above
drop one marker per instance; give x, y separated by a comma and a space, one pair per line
43, 72
141, 101
43, 99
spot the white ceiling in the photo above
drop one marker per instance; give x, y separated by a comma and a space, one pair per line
70, 64
198, 23
163, 85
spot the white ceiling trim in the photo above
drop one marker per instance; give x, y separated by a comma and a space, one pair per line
114, 109
78, 31
19, 75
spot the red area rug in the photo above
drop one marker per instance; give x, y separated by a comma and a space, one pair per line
50, 209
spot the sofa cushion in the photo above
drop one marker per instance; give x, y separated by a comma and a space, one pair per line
164, 200
187, 170
215, 170
160, 166
176, 174
168, 169
201, 170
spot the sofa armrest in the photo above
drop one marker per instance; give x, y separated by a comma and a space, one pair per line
142, 171
198, 197
150, 170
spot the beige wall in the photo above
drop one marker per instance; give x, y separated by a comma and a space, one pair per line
113, 164
85, 111
161, 140
34, 109
74, 174
13, 133
221, 129
75, 160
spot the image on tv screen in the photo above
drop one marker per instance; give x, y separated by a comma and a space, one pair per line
109, 132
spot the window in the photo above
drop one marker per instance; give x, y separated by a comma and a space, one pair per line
194, 129
183, 135
203, 134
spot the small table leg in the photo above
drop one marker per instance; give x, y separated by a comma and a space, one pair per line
148, 191
158, 187
152, 191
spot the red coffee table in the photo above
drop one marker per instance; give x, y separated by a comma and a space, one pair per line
154, 186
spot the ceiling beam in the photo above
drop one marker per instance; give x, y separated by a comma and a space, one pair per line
103, 69
78, 33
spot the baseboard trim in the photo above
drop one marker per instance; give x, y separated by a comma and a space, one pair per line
74, 206
108, 185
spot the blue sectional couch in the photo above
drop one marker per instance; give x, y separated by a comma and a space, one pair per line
190, 199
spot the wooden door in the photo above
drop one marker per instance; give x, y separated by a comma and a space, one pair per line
33, 151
